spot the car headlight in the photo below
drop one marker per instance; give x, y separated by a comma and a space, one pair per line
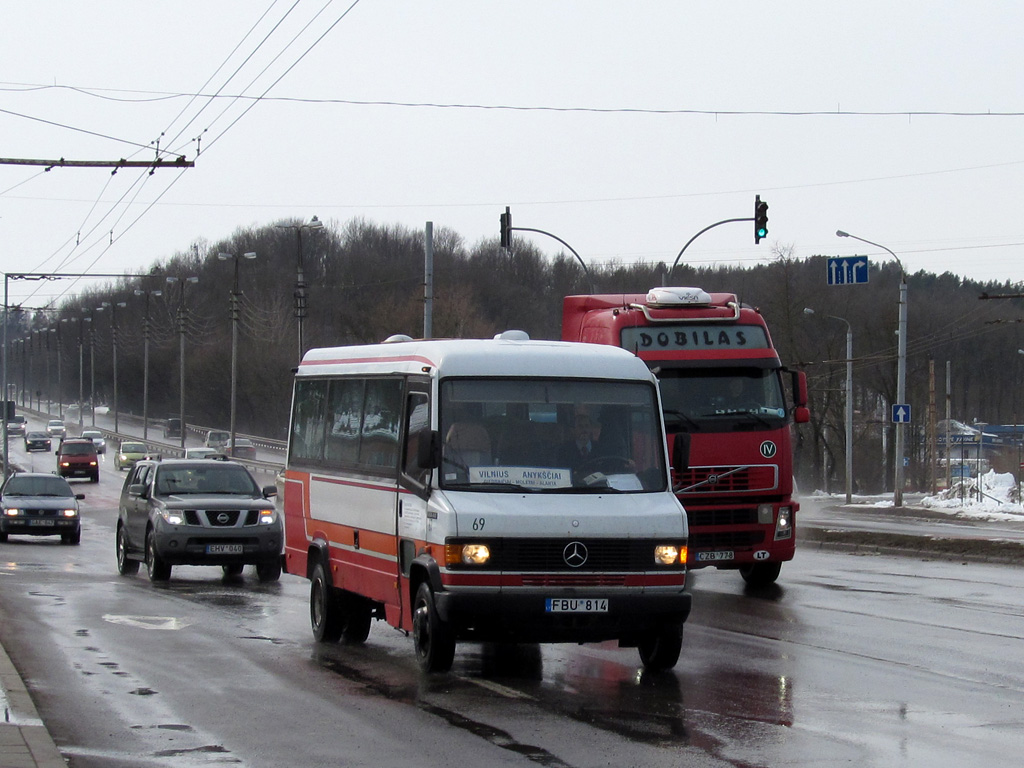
466, 554
669, 554
267, 516
69, 512
173, 517
12, 511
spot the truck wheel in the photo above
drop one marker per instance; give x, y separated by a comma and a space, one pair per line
158, 570
660, 651
325, 615
433, 638
125, 565
760, 574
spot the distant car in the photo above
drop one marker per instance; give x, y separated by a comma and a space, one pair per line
77, 457
243, 449
40, 504
202, 453
97, 438
56, 428
197, 512
37, 441
128, 454
16, 425
217, 438
172, 428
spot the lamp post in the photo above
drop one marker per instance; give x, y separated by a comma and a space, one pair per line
92, 367
234, 339
901, 366
81, 367
145, 361
113, 347
300, 278
181, 350
849, 402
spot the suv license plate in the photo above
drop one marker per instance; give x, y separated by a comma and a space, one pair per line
224, 549
576, 605
709, 557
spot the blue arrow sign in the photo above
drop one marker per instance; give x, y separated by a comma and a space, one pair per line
901, 414
848, 270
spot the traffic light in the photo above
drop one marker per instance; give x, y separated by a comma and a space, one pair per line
760, 219
506, 228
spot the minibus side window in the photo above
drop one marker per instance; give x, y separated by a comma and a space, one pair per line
417, 429
344, 421
381, 421
307, 439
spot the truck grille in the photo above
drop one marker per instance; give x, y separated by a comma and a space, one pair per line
725, 479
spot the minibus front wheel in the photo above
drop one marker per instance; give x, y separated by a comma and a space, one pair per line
433, 638
325, 614
660, 651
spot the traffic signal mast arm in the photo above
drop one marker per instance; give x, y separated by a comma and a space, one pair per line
506, 240
760, 219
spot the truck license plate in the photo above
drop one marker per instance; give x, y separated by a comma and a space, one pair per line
710, 557
224, 549
576, 605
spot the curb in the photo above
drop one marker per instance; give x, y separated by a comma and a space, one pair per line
24, 740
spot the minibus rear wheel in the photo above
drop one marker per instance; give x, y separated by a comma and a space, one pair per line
325, 614
433, 638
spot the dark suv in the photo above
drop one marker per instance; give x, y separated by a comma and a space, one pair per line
197, 512
77, 457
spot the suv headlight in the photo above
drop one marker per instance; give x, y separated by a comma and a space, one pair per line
173, 517
267, 516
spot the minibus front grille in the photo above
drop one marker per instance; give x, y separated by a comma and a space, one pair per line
572, 556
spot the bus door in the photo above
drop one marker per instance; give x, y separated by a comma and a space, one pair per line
414, 487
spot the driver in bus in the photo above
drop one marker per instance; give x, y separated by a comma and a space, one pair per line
579, 450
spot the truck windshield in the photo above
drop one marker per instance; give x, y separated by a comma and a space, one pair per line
550, 435
721, 399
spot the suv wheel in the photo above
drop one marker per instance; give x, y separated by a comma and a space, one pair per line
156, 567
125, 565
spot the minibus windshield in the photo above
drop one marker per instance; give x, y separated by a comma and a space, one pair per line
550, 435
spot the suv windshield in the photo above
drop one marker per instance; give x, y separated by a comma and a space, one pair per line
226, 478
552, 435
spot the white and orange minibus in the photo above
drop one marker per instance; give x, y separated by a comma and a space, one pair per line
498, 490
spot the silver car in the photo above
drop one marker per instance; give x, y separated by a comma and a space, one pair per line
40, 504
197, 512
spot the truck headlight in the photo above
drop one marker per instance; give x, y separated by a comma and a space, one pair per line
784, 523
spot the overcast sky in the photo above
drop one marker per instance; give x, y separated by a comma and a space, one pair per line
622, 127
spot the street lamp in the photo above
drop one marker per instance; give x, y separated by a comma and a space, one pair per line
145, 361
92, 367
81, 368
300, 279
113, 346
849, 402
901, 366
234, 339
181, 350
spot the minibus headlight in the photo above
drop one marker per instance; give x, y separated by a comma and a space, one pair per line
669, 554
467, 554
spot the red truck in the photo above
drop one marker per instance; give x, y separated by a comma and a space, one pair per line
723, 394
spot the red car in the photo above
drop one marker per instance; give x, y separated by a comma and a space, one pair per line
243, 449
78, 458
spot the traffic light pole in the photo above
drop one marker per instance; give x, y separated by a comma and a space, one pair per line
710, 226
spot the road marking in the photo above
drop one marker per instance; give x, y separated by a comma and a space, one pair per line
502, 690
148, 622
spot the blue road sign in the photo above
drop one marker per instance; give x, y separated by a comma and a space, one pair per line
848, 270
901, 414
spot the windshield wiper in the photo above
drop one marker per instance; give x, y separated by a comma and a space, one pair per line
682, 417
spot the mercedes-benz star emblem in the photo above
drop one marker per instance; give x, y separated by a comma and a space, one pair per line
575, 554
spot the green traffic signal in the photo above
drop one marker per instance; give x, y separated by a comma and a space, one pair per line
760, 219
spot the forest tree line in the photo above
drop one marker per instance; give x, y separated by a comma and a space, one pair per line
365, 282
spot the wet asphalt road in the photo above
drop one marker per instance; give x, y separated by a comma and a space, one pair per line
850, 660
